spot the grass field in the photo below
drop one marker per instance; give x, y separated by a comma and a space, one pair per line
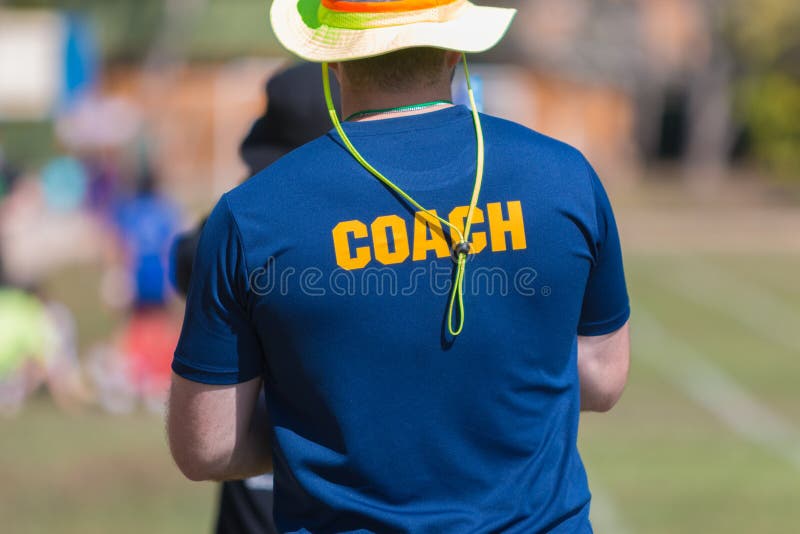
705, 439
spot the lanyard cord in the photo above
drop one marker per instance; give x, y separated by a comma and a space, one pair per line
460, 249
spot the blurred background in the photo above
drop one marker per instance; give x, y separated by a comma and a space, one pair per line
120, 124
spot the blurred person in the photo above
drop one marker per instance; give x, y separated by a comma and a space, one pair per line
146, 344
295, 115
8, 178
65, 379
8, 173
38, 238
38, 343
103, 174
146, 224
37, 346
100, 129
23, 347
383, 414
64, 182
106, 369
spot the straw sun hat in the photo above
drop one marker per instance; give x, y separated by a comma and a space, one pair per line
334, 30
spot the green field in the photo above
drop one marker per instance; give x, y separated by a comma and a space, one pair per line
705, 439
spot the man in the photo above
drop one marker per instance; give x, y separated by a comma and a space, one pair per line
398, 403
295, 115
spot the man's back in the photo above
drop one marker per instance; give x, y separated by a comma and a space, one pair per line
318, 277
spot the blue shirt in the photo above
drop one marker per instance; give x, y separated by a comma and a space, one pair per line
147, 225
314, 276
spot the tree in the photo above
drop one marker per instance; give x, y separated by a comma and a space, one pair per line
766, 42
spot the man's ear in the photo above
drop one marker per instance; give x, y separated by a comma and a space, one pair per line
336, 68
452, 58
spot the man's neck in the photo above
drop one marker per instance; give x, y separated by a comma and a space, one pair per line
357, 102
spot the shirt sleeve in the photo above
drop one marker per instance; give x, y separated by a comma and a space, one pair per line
606, 308
218, 343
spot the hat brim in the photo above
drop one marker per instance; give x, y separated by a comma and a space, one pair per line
474, 29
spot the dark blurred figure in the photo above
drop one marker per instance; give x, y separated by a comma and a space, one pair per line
8, 175
102, 187
295, 115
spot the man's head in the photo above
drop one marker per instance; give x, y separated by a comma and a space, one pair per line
329, 31
400, 71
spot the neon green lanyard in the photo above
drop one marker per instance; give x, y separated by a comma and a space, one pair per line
401, 109
460, 249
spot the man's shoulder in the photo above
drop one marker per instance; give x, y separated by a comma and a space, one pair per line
526, 149
513, 135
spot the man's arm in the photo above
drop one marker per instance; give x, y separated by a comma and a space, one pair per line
603, 363
215, 432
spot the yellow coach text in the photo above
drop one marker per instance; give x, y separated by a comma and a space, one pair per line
388, 240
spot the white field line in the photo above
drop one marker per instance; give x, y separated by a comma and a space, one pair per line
746, 303
605, 515
691, 372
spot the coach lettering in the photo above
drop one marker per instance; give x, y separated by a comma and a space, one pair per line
388, 235
457, 218
499, 227
381, 228
426, 223
341, 243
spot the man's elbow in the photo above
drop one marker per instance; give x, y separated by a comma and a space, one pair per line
604, 400
603, 367
609, 390
192, 470
194, 466
199, 458
201, 475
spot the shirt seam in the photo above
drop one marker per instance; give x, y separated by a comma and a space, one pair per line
397, 131
203, 368
588, 170
602, 324
241, 241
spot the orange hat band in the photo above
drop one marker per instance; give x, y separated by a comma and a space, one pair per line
364, 20
382, 6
